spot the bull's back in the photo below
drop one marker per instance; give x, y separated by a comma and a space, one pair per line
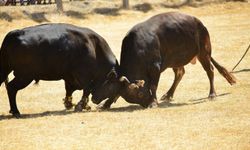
172, 38
49, 51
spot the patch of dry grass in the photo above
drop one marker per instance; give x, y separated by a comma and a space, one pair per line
191, 122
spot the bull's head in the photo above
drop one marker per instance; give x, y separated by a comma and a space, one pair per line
136, 92
108, 89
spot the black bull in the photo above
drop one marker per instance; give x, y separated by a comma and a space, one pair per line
169, 40
79, 56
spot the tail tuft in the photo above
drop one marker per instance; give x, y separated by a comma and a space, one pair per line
223, 71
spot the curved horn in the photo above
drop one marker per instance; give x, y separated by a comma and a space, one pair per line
112, 74
124, 79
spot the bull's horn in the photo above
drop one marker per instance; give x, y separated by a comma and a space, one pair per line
140, 83
124, 79
112, 74
130, 85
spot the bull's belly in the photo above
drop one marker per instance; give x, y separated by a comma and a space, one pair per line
79, 77
38, 72
48, 78
175, 62
78, 81
38, 76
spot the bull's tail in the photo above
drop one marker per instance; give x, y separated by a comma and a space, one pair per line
3, 75
1, 68
2, 78
205, 44
6, 82
223, 71
5, 68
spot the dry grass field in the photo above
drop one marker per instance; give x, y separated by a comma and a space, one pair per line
190, 122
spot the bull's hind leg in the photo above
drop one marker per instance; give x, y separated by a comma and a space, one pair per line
12, 88
178, 72
205, 61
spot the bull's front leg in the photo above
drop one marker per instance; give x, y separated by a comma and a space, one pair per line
83, 103
153, 101
178, 72
67, 101
154, 76
106, 105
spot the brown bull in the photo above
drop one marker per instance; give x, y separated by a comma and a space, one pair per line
168, 40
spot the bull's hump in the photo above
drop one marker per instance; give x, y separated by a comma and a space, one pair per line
50, 34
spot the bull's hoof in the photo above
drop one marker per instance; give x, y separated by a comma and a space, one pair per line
68, 105
15, 114
87, 107
212, 96
78, 107
167, 98
67, 101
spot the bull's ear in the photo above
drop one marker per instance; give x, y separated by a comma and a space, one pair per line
140, 83
124, 80
112, 74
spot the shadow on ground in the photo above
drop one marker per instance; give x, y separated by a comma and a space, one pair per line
75, 14
107, 11
130, 108
5, 16
145, 7
38, 115
193, 3
165, 104
38, 17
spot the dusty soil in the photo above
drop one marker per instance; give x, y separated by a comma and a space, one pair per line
190, 122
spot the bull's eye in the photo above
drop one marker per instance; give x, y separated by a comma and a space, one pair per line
140, 94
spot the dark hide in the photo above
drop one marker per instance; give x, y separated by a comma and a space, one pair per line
79, 56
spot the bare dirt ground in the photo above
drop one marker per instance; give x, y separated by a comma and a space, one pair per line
190, 122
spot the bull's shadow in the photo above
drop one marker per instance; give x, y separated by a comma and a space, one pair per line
164, 104
135, 107
129, 108
38, 115
204, 99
